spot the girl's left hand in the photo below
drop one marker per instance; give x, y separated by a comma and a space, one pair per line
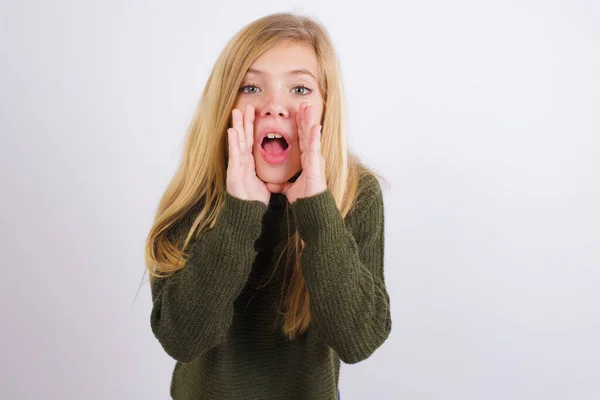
312, 179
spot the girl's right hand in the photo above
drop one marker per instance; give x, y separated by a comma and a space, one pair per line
242, 181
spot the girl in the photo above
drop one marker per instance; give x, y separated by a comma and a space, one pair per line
266, 253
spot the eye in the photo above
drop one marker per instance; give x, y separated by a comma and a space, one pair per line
247, 86
302, 87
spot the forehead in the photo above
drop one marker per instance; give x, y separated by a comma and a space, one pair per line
286, 57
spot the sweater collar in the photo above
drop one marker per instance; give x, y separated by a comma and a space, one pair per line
278, 200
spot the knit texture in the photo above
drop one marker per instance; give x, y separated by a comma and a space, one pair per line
215, 316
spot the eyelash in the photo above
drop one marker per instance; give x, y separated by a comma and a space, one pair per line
299, 86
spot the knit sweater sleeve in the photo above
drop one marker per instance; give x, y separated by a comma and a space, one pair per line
342, 265
193, 308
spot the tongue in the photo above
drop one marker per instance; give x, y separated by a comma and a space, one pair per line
274, 146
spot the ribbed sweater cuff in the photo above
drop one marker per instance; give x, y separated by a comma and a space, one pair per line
242, 218
317, 214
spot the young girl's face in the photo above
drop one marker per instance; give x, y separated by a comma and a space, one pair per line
275, 85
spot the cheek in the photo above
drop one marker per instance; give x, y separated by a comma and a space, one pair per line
240, 105
242, 101
295, 155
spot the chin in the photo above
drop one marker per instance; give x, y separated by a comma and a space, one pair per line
277, 177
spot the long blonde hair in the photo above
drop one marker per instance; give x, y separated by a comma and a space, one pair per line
201, 175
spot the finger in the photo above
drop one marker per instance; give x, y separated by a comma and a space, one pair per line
302, 128
316, 139
234, 149
299, 127
308, 125
236, 120
249, 126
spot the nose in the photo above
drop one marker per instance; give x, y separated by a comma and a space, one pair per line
273, 106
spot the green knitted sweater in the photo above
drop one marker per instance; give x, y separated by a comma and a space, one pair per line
215, 316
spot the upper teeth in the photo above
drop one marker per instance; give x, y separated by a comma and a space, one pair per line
274, 136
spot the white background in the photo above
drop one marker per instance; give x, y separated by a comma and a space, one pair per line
484, 116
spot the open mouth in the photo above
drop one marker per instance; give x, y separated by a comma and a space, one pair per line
274, 146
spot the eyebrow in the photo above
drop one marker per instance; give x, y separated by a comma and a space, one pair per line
292, 72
